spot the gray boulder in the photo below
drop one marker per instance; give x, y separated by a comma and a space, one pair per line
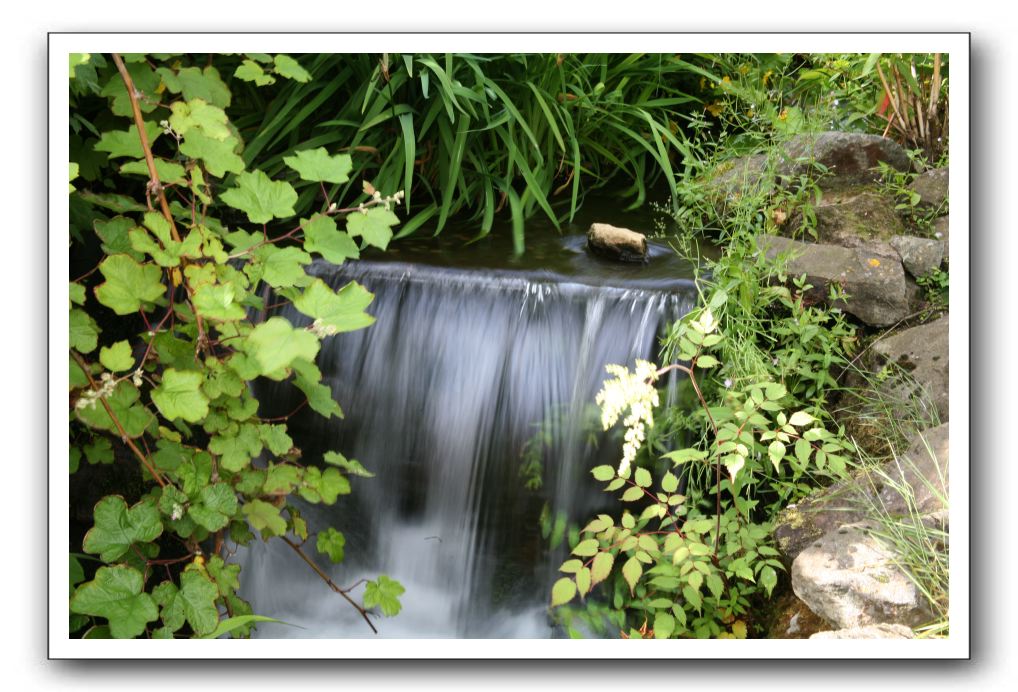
932, 187
850, 158
942, 232
850, 578
874, 282
882, 631
922, 353
857, 218
924, 471
617, 243
802, 523
919, 255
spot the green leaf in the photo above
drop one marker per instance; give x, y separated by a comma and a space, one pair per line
342, 311
586, 548
275, 344
76, 292
670, 482
117, 527
72, 173
117, 594
642, 477
128, 284
707, 362
562, 591
601, 567
681, 456
322, 236
197, 114
571, 566
215, 507
219, 156
632, 571
800, 418
776, 451
261, 198
275, 438
236, 450
374, 226
197, 596
114, 236
603, 473
194, 82
385, 593
117, 358
351, 466
236, 622
127, 143
286, 66
583, 581
330, 542
250, 71
168, 172
331, 485
632, 494
218, 302
664, 625
134, 417
265, 517
281, 479
768, 579
317, 166
84, 332
179, 395
282, 267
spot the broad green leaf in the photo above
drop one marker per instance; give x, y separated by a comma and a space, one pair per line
237, 622
715, 584
642, 477
168, 172
197, 114
331, 485
76, 292
664, 625
117, 527
72, 173
632, 494
583, 581
681, 456
282, 267
193, 82
127, 143
128, 284
586, 548
317, 166
322, 236
237, 450
776, 451
261, 198
114, 236
219, 156
632, 571
601, 567
250, 71
800, 418
226, 576
562, 591
117, 594
693, 597
146, 84
265, 517
179, 395
275, 438
384, 593
571, 566
84, 332
768, 579
134, 417
197, 596
374, 226
286, 66
603, 473
275, 344
707, 362
215, 507
670, 482
319, 396
338, 312
280, 479
117, 358
351, 466
330, 542
217, 302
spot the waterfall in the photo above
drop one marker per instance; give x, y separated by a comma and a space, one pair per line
466, 373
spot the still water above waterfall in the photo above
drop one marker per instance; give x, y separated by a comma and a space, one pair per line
474, 386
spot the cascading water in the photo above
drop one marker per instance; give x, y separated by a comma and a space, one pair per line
466, 373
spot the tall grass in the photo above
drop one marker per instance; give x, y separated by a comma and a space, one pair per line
478, 135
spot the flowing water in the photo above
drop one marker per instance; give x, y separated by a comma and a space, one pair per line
478, 364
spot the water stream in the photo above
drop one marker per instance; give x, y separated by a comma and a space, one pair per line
469, 372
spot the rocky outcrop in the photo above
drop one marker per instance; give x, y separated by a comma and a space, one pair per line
942, 232
850, 158
922, 354
617, 243
932, 188
882, 631
920, 256
874, 282
857, 217
850, 578
803, 523
924, 470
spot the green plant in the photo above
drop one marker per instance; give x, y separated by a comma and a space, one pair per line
679, 564
908, 202
937, 287
165, 341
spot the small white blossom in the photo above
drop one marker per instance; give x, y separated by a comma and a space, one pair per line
633, 391
178, 511
320, 329
728, 383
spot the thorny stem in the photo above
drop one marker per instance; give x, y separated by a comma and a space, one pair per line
332, 585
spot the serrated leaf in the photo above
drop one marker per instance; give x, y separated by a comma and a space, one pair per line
601, 567
800, 418
215, 507
198, 114
603, 473
317, 165
275, 438
632, 494
374, 226
331, 542
385, 593
197, 597
715, 584
281, 479
586, 548
250, 71
127, 142
351, 466
768, 579
260, 197
642, 477
219, 156
117, 358
83, 331
117, 594
286, 66
707, 362
571, 566
134, 417
264, 517
117, 527
275, 344
114, 236
776, 452
664, 625
179, 395
282, 267
194, 82
322, 236
168, 172
562, 591
236, 450
583, 581
632, 571
681, 456
128, 284
218, 303
670, 482
342, 311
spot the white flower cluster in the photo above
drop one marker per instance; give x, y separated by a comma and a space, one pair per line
377, 198
88, 399
322, 330
633, 391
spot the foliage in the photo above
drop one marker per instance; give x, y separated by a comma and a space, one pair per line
908, 202
681, 566
165, 341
